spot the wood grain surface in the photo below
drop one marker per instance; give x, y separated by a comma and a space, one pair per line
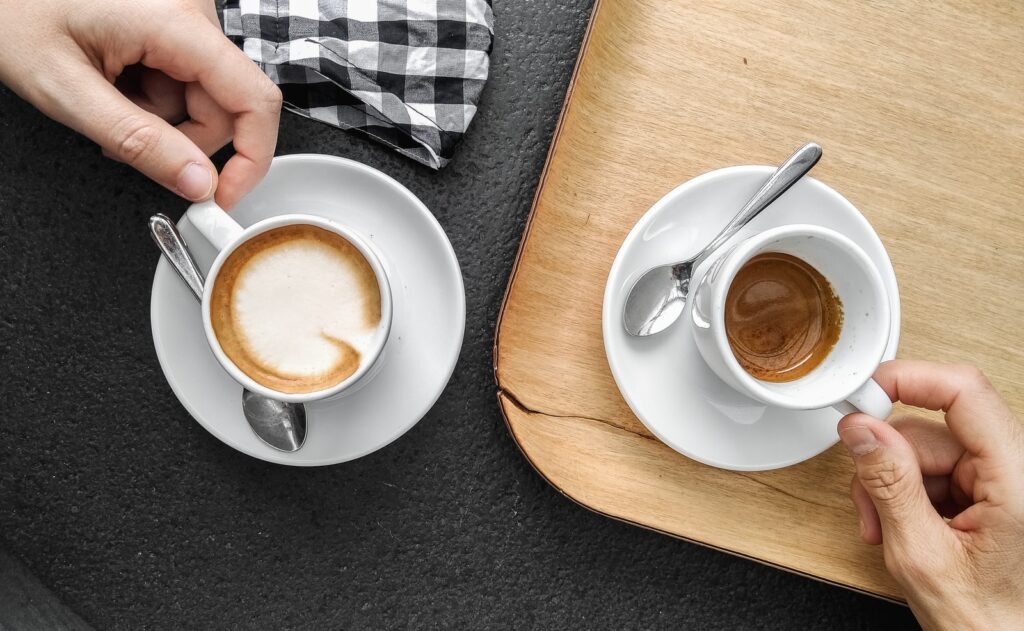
920, 109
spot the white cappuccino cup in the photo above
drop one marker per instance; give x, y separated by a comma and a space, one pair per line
227, 236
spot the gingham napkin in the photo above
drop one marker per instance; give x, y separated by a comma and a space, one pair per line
407, 72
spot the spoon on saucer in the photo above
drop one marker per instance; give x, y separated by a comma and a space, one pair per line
658, 297
278, 424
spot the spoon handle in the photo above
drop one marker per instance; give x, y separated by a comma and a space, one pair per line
169, 240
794, 168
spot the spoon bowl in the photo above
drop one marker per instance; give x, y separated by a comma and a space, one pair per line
280, 425
659, 297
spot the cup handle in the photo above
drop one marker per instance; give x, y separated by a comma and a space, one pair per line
869, 399
214, 223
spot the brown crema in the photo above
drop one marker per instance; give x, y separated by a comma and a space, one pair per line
225, 320
782, 317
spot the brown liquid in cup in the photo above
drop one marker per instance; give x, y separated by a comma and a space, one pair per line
782, 317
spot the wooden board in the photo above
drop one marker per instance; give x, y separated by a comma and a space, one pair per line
920, 109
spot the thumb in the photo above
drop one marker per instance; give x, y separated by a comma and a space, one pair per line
143, 140
888, 470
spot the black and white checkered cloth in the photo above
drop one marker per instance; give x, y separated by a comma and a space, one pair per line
406, 72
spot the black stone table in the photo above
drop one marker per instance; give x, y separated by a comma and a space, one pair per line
135, 517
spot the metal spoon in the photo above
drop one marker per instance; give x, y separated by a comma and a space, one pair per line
278, 424
658, 297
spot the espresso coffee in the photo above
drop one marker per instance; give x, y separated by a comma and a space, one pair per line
296, 308
782, 317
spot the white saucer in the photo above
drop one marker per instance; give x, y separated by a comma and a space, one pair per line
663, 377
428, 319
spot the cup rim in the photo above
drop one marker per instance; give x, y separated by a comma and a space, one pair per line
369, 252
735, 258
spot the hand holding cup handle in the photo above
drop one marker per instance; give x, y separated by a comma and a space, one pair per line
869, 399
215, 224
944, 500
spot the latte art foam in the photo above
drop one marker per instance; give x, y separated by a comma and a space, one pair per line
296, 308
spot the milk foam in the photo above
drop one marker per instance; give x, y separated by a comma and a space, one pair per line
293, 301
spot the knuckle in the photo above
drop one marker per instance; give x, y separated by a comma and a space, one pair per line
918, 566
895, 565
971, 375
134, 138
179, 8
884, 480
271, 95
903, 566
264, 91
904, 421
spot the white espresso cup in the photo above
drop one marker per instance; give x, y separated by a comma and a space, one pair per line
226, 235
843, 379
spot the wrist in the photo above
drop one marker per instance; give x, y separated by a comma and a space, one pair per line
956, 612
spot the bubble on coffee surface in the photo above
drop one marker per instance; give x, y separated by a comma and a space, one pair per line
296, 308
782, 317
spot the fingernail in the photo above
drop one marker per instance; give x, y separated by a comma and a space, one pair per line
859, 440
195, 182
863, 528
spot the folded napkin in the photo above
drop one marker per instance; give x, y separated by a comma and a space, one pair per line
409, 73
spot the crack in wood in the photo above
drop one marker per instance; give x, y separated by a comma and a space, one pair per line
514, 400
783, 491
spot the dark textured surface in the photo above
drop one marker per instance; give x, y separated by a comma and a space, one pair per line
25, 603
138, 518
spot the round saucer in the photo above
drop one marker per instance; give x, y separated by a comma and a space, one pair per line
429, 314
663, 377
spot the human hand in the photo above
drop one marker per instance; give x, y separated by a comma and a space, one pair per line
945, 501
154, 82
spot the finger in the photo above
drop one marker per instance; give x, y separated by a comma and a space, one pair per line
977, 416
936, 450
209, 11
171, 112
209, 127
888, 470
870, 526
941, 458
195, 50
94, 107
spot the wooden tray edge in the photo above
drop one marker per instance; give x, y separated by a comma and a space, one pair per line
505, 398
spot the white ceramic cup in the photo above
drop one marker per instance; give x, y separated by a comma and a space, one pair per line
225, 234
843, 380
